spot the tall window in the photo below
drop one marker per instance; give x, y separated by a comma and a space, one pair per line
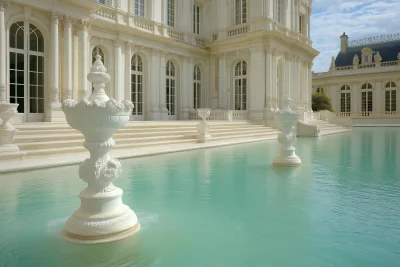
240, 12
139, 8
345, 99
196, 19
196, 87
27, 68
390, 96
97, 51
102, 1
241, 86
171, 13
137, 84
170, 88
278, 14
366, 99
301, 24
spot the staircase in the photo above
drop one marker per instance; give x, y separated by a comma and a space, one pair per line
326, 127
51, 139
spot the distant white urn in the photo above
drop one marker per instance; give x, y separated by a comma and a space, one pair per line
203, 128
7, 131
102, 217
287, 119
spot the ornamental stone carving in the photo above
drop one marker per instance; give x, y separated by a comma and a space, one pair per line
356, 60
377, 57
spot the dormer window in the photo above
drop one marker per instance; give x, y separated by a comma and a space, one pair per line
366, 55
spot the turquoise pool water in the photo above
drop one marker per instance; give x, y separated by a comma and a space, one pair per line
225, 207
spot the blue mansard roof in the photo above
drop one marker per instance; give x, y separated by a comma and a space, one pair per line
387, 50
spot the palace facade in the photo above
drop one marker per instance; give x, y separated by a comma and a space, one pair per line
363, 80
169, 57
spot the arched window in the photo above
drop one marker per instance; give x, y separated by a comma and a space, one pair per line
170, 88
278, 11
27, 70
390, 96
320, 90
196, 87
137, 85
240, 86
97, 51
345, 99
366, 99
240, 11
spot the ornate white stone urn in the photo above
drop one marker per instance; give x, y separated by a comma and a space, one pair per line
203, 128
102, 217
7, 131
287, 118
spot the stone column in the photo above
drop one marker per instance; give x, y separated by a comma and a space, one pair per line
190, 96
222, 83
54, 65
54, 112
162, 91
297, 84
269, 80
287, 84
309, 84
118, 90
154, 81
274, 74
256, 88
3, 54
67, 64
128, 66
83, 58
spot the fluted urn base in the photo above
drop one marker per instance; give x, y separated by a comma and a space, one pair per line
101, 218
287, 161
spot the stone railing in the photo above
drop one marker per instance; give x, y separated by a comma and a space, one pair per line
222, 115
360, 69
258, 25
106, 13
369, 114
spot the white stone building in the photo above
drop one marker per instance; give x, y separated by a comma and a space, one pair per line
363, 80
168, 56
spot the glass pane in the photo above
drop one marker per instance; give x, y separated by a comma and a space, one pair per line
40, 64
21, 106
40, 78
12, 76
20, 61
33, 108
40, 105
40, 92
20, 91
33, 61
20, 77
33, 78
12, 61
33, 91
20, 36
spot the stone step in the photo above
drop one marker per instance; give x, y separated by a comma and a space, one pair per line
75, 135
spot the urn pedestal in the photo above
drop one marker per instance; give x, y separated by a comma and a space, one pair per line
287, 138
102, 216
8, 150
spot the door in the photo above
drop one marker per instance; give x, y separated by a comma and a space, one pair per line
137, 88
171, 91
27, 71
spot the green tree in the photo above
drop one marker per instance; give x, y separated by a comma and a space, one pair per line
320, 101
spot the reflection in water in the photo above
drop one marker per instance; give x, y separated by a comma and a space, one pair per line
226, 206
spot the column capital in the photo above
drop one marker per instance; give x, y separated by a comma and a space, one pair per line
84, 25
117, 43
4, 5
287, 55
55, 18
69, 21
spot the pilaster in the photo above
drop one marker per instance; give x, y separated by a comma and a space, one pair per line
54, 112
3, 54
128, 77
156, 72
67, 64
256, 88
222, 95
163, 111
118, 89
83, 58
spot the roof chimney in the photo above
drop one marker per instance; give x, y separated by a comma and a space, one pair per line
344, 42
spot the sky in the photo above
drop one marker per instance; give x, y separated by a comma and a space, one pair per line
358, 18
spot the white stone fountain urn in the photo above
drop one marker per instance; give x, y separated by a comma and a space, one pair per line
7, 131
287, 118
203, 128
102, 217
